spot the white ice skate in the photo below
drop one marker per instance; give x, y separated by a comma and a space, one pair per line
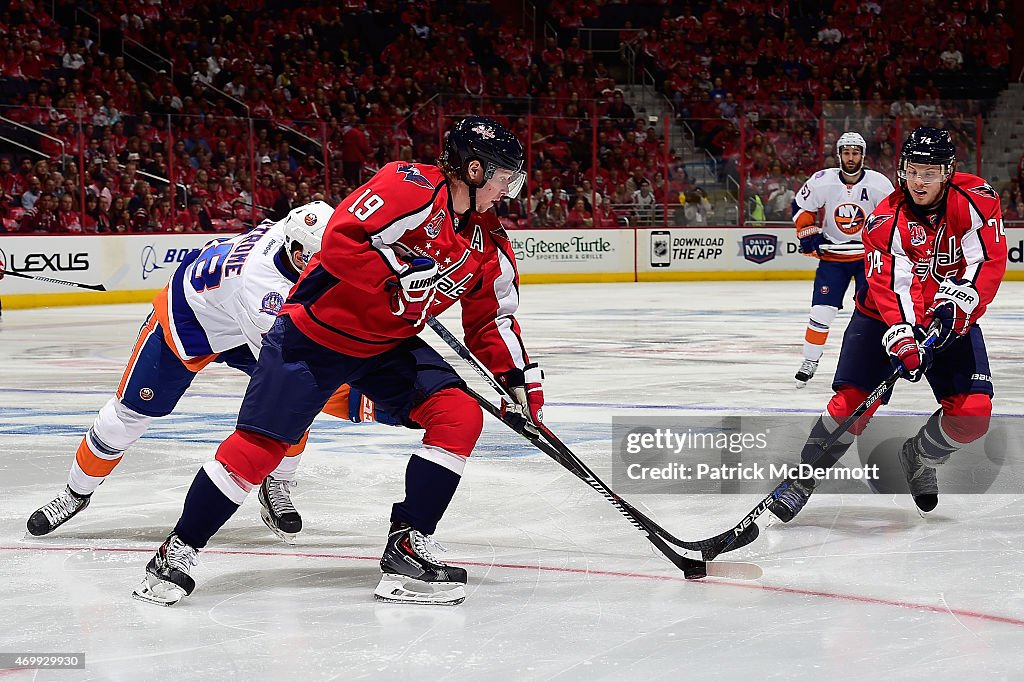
806, 371
413, 575
168, 576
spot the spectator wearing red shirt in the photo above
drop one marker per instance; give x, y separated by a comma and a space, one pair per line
552, 55
355, 150
68, 219
579, 215
223, 204
42, 217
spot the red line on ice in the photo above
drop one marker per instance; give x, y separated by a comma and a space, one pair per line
856, 598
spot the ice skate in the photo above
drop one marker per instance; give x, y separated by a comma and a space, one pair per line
806, 371
277, 510
924, 485
790, 497
54, 513
412, 575
167, 573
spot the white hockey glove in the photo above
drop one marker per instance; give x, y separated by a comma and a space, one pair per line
414, 291
524, 385
952, 307
903, 344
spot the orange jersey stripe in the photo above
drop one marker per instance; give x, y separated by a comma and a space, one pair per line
815, 337
162, 310
91, 464
144, 334
296, 450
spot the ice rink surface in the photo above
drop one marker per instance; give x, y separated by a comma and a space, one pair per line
561, 587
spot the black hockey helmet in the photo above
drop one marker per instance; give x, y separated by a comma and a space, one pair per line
487, 141
928, 146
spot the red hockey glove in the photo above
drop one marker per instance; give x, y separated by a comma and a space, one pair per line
902, 343
524, 385
953, 307
414, 291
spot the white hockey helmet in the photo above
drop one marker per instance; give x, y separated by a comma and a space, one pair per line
306, 225
851, 139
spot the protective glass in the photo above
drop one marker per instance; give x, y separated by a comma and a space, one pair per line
928, 177
512, 181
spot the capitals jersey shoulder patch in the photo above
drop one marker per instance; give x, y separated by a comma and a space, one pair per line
984, 191
876, 220
412, 174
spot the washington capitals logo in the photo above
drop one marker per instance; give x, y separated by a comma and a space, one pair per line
985, 191
484, 131
413, 175
874, 221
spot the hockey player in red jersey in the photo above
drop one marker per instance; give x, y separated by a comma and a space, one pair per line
934, 250
409, 243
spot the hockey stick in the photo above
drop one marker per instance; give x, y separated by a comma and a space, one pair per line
723, 542
77, 285
554, 448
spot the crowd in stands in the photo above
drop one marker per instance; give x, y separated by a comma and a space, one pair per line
202, 116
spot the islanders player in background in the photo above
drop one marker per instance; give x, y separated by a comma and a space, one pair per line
935, 251
411, 242
216, 307
829, 212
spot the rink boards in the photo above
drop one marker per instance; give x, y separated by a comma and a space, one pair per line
133, 267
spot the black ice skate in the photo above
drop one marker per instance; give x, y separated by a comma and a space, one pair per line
168, 576
55, 512
924, 486
806, 371
790, 497
277, 510
413, 575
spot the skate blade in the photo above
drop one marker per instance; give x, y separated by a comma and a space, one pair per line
400, 589
800, 384
160, 592
289, 538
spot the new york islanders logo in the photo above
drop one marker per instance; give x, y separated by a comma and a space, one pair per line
272, 303
849, 218
310, 219
413, 175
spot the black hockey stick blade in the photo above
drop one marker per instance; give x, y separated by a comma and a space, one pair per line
727, 541
707, 548
48, 280
693, 569
558, 451
730, 539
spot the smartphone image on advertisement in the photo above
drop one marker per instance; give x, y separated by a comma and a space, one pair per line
661, 244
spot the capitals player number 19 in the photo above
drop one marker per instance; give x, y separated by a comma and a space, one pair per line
874, 262
365, 206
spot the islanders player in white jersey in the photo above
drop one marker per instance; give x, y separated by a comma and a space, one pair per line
216, 308
829, 212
